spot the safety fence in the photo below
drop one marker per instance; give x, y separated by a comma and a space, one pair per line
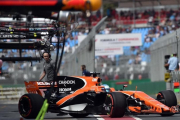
17, 75
124, 72
165, 45
11, 93
83, 54
173, 78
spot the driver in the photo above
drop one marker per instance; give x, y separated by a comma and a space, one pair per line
107, 88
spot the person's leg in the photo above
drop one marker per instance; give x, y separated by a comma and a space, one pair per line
47, 92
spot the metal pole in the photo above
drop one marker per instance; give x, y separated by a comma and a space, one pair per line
94, 45
159, 16
177, 57
177, 43
97, 27
119, 14
171, 82
102, 11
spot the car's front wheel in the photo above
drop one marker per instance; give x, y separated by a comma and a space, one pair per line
168, 98
115, 104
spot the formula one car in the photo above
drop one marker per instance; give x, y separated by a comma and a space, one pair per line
80, 96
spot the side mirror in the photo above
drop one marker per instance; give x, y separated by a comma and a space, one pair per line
124, 86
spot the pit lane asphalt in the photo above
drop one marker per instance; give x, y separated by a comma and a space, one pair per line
10, 112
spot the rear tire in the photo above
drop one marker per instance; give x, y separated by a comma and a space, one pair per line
29, 105
117, 103
75, 115
168, 98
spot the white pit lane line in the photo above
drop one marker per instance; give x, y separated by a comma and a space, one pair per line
136, 118
98, 117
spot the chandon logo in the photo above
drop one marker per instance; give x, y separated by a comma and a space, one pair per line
67, 82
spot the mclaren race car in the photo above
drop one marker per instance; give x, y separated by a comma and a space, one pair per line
80, 96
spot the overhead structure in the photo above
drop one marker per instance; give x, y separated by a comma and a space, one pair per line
49, 5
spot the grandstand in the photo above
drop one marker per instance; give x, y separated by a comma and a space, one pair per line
152, 23
151, 20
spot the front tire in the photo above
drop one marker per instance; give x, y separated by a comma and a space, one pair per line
29, 105
117, 104
168, 98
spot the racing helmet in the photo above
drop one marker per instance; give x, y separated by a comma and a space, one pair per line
107, 88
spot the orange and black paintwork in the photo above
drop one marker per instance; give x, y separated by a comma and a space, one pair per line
154, 105
48, 5
92, 84
82, 85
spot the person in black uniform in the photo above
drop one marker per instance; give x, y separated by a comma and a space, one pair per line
84, 71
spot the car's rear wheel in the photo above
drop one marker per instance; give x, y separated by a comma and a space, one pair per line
29, 105
168, 98
115, 104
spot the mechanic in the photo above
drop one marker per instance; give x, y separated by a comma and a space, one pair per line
84, 71
49, 66
173, 63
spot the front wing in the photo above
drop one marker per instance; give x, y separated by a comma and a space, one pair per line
140, 102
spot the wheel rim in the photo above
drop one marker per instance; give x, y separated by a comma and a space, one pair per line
108, 104
160, 98
25, 106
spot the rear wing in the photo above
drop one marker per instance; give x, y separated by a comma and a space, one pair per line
34, 86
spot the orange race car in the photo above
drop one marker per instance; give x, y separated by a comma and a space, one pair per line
80, 96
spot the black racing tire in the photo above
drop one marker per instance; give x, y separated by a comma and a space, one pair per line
29, 105
168, 98
118, 104
76, 115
